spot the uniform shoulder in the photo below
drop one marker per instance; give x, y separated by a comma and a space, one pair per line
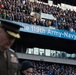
11, 50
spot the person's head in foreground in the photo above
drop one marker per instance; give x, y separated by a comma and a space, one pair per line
27, 68
9, 31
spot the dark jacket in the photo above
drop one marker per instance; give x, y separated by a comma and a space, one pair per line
10, 64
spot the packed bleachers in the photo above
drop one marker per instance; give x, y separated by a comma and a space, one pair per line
54, 69
48, 68
20, 10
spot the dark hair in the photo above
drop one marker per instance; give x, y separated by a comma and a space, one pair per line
25, 65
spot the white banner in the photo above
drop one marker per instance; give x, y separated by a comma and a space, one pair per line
48, 16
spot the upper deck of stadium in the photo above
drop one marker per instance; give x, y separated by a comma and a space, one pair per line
45, 15
35, 13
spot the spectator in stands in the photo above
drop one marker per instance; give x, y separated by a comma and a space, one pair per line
26, 68
9, 31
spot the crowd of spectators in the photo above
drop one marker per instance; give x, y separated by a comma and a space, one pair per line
48, 68
19, 10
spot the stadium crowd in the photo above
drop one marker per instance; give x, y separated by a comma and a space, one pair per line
47, 68
19, 10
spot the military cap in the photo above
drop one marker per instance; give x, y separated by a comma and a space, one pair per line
26, 64
11, 27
